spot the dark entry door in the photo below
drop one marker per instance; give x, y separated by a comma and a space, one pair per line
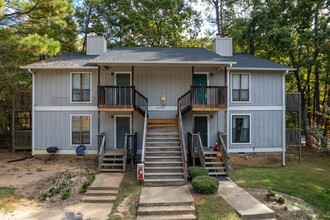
201, 127
123, 94
200, 93
123, 126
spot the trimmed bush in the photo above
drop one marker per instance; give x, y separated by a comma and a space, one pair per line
205, 184
197, 171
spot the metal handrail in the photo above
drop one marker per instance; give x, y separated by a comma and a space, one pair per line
145, 127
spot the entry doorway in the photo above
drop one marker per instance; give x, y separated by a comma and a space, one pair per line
200, 97
122, 126
201, 127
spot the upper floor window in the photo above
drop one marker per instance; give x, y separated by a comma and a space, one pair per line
241, 87
80, 129
81, 87
241, 129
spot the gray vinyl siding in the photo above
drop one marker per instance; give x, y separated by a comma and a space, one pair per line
266, 130
53, 129
53, 87
266, 88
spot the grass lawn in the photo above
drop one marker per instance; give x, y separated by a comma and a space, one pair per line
309, 180
214, 208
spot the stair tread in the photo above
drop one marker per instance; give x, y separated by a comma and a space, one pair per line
166, 208
162, 152
165, 142
169, 217
212, 158
112, 159
162, 174
210, 163
112, 164
157, 168
164, 180
160, 162
215, 168
111, 170
101, 191
217, 173
163, 157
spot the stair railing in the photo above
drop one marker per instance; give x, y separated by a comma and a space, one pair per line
223, 150
101, 152
125, 153
145, 127
182, 143
201, 153
130, 147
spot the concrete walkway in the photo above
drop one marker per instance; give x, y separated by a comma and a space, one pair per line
168, 202
245, 205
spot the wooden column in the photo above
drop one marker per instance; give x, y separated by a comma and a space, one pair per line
192, 75
225, 76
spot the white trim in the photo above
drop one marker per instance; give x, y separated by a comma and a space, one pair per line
65, 108
58, 67
284, 117
33, 111
123, 72
208, 125
90, 88
131, 62
161, 108
207, 77
227, 111
231, 127
256, 108
255, 68
64, 152
90, 128
115, 129
231, 88
257, 150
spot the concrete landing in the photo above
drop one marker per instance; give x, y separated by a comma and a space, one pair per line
168, 202
246, 205
107, 181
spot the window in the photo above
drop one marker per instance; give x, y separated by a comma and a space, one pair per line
81, 130
81, 87
241, 129
241, 87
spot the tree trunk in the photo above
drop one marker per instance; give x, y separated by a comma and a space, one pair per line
87, 24
217, 12
317, 78
221, 17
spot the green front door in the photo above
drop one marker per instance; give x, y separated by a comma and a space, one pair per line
200, 93
123, 94
123, 126
201, 128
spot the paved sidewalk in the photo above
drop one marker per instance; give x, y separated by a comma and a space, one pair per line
245, 205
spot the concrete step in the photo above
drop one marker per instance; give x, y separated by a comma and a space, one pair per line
166, 210
164, 182
168, 217
217, 174
163, 144
99, 199
163, 175
163, 164
164, 169
111, 170
95, 188
101, 192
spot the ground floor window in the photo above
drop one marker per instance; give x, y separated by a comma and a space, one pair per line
81, 131
241, 129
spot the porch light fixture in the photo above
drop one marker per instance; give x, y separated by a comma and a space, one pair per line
211, 74
163, 100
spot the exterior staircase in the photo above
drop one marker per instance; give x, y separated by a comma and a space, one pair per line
213, 164
113, 161
163, 160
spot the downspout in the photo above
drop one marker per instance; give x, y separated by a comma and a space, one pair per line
33, 111
283, 117
228, 70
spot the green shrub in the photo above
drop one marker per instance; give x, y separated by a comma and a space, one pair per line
281, 200
205, 184
197, 171
270, 194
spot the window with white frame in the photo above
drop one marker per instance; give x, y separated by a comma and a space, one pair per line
240, 90
81, 87
241, 129
81, 131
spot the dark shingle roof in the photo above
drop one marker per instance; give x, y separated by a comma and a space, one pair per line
68, 60
161, 55
247, 61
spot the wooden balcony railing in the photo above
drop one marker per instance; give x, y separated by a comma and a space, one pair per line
204, 98
293, 101
121, 98
293, 137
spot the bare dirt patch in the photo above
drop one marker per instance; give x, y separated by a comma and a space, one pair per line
293, 207
42, 185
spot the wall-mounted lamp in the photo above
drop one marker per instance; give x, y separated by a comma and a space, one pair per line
211, 74
163, 100
112, 73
